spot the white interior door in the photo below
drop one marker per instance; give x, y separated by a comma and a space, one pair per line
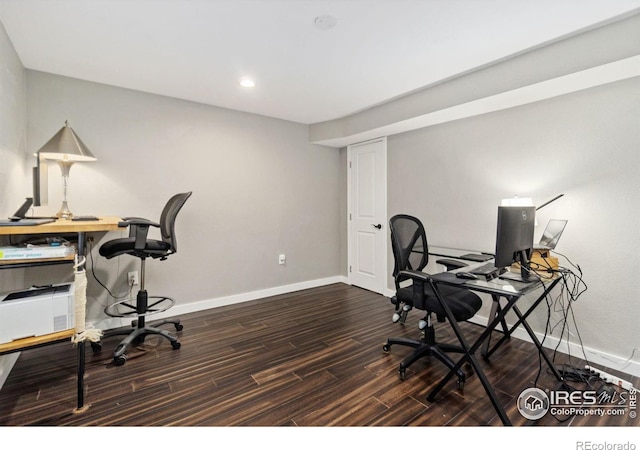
368, 228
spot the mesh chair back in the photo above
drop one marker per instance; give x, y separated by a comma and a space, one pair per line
409, 243
168, 219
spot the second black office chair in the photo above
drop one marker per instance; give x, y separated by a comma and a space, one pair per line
411, 255
138, 244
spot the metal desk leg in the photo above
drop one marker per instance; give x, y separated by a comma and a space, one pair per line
522, 320
495, 310
537, 343
469, 355
81, 347
81, 364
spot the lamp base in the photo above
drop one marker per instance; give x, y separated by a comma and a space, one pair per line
64, 212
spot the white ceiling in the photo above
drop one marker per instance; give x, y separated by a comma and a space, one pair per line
198, 49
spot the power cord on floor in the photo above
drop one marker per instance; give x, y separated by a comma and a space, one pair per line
93, 273
571, 287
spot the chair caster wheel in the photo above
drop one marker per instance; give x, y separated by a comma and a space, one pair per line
96, 347
179, 327
120, 360
402, 374
176, 345
386, 347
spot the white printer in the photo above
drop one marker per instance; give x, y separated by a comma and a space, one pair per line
36, 312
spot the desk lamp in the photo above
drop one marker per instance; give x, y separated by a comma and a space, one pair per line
518, 201
65, 147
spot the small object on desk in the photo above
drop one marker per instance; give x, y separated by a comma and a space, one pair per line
466, 275
477, 257
488, 270
56, 241
84, 218
511, 276
448, 277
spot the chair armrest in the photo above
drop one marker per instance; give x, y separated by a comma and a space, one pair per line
139, 230
140, 221
414, 275
419, 279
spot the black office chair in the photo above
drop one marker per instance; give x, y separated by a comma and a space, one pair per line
403, 309
140, 246
410, 251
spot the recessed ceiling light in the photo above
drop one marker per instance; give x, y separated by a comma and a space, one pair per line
247, 82
325, 22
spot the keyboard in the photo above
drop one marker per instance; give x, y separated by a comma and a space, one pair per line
488, 270
24, 222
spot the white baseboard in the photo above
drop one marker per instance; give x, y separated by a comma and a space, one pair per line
595, 357
203, 305
254, 295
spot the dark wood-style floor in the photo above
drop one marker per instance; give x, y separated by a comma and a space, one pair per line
309, 358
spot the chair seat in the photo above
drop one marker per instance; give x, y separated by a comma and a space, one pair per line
463, 303
126, 246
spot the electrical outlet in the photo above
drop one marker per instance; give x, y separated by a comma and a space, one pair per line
282, 259
132, 278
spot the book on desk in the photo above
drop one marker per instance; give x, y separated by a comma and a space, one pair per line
31, 252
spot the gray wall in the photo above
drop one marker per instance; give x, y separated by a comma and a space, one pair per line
584, 145
13, 130
259, 189
13, 125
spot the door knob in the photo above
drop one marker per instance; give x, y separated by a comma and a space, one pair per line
379, 226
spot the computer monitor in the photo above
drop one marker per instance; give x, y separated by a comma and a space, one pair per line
40, 183
514, 237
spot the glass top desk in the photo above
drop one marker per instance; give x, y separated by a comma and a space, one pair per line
499, 289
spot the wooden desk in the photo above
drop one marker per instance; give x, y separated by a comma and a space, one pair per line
58, 227
35, 341
64, 226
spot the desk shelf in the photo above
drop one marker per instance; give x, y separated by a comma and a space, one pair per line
17, 263
35, 341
